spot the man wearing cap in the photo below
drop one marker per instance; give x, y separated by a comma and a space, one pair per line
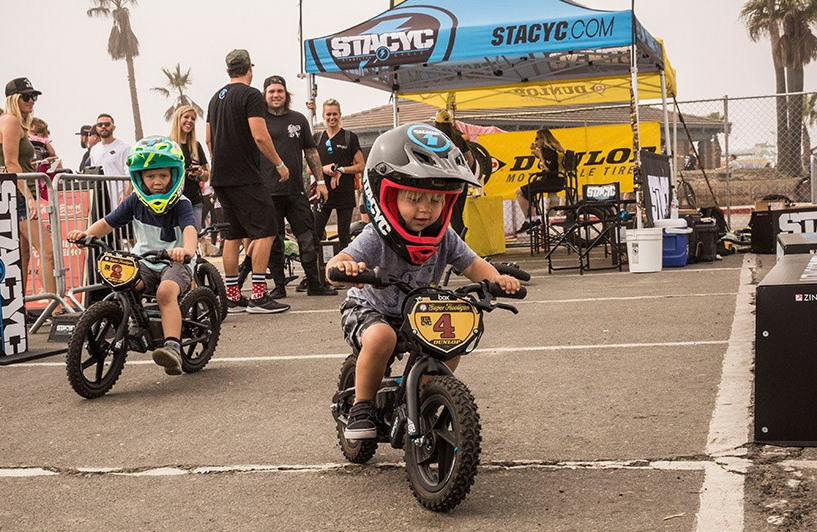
292, 134
88, 138
112, 155
237, 136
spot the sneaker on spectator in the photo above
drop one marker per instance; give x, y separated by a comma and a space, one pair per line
302, 286
528, 225
362, 422
321, 290
279, 292
237, 306
168, 358
266, 305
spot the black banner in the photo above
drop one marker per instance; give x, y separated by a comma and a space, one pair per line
655, 171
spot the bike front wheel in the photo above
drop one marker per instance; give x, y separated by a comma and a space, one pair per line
94, 362
201, 326
442, 467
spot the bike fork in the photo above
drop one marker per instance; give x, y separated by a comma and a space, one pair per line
423, 367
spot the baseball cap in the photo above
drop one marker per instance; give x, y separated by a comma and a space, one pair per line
84, 131
275, 79
442, 117
20, 86
238, 58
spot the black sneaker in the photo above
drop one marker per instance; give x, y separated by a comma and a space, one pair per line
321, 290
302, 286
237, 306
168, 358
362, 422
279, 292
266, 305
528, 225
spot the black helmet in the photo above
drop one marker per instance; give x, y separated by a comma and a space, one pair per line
413, 157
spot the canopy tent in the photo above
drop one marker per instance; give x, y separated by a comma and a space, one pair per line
495, 53
500, 53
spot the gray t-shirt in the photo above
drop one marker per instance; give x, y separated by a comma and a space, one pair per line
370, 248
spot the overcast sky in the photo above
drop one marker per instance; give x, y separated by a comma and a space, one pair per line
64, 53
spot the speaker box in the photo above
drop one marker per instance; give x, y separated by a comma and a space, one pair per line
786, 353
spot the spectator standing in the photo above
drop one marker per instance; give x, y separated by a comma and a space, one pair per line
88, 137
237, 136
196, 169
342, 159
111, 154
291, 133
17, 156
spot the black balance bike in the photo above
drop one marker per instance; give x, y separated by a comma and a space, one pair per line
436, 423
121, 322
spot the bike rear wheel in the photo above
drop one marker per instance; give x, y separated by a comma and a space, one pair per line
201, 326
441, 470
356, 451
93, 363
208, 276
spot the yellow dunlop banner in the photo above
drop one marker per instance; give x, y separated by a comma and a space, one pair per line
605, 155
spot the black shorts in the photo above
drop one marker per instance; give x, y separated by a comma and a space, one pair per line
249, 211
355, 319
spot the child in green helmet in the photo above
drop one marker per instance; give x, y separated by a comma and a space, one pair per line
162, 220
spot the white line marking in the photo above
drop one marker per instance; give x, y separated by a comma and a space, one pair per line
624, 298
486, 350
166, 471
721, 506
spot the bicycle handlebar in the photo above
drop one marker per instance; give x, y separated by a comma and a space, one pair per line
381, 279
154, 256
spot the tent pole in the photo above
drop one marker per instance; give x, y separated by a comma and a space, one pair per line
395, 110
637, 182
667, 145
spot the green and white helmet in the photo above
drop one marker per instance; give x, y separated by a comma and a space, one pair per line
157, 152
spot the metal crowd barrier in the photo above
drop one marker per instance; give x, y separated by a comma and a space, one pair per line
74, 201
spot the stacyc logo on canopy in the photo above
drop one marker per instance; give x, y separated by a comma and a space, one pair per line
401, 36
590, 28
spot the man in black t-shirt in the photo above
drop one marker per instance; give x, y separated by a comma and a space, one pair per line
342, 159
237, 137
292, 135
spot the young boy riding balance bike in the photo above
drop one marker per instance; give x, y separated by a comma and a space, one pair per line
162, 220
413, 177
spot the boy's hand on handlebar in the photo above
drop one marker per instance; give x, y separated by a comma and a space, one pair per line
178, 254
75, 236
350, 267
509, 284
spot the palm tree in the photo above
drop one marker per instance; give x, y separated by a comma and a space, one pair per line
809, 119
122, 44
177, 82
787, 22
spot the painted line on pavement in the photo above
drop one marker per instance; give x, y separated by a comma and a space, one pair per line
486, 350
722, 493
167, 471
667, 270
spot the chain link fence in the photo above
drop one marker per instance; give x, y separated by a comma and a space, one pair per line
736, 151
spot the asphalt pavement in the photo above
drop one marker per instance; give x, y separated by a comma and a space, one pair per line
612, 401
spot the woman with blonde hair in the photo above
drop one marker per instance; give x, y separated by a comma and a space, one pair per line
196, 169
17, 155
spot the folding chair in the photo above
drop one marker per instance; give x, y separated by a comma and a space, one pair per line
590, 224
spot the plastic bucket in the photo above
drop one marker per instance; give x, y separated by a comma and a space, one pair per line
644, 248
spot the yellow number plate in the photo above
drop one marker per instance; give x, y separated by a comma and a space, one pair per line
117, 270
444, 324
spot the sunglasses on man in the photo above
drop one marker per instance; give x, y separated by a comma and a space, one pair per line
104, 124
28, 97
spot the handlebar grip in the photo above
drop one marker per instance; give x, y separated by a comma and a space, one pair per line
497, 291
375, 277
